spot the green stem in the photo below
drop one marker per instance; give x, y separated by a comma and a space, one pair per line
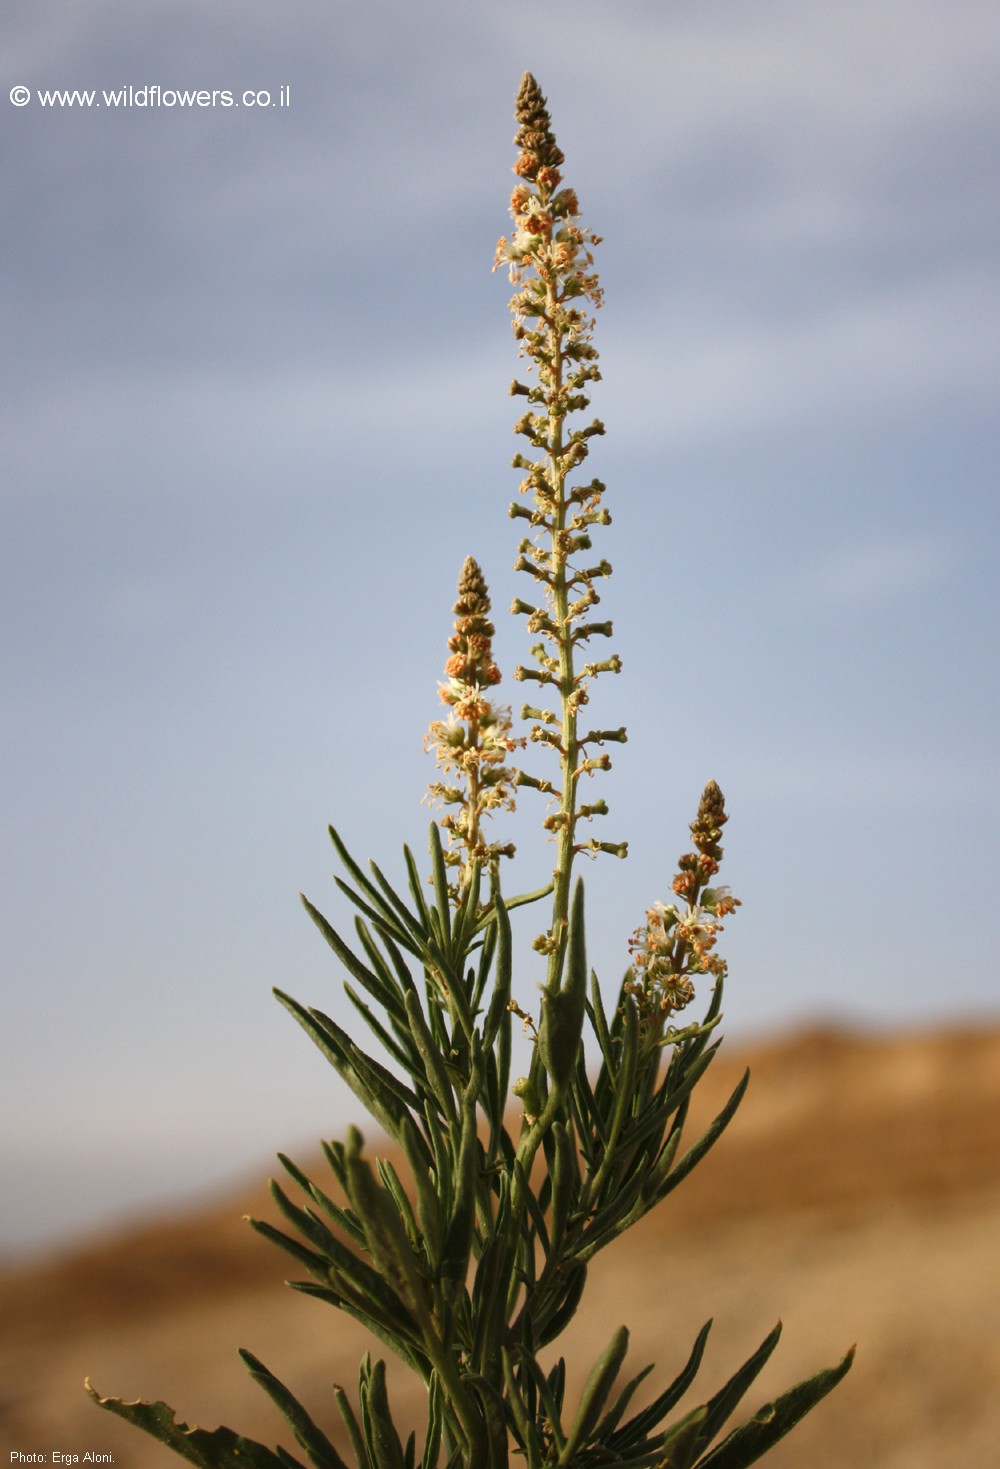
569, 752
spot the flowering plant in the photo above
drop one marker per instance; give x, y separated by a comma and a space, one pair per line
466, 1251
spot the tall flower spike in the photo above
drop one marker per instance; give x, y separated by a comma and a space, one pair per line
677, 941
551, 264
473, 743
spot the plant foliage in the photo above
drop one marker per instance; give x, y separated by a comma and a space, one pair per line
468, 1261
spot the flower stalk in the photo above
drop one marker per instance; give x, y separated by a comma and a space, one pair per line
550, 261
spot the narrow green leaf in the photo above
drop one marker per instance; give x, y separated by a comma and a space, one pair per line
390, 1179
681, 1079
489, 1290
347, 957
384, 921
316, 1264
680, 1443
440, 883
644, 1423
376, 1088
697, 1151
316, 1444
353, 1427
557, 1384
563, 1009
384, 1442
434, 1072
595, 1394
525, 1431
536, 1215
400, 1341
492, 1407
595, 1188
465, 924
391, 1251
391, 991
616, 1412
377, 1077
341, 1217
400, 1046
562, 1307
653, 1183
504, 1043
417, 927
747, 1444
435, 1424
548, 1405
565, 1184
416, 885
504, 972
428, 1207
400, 968
309, 1226
382, 912
590, 1125
523, 898
719, 1407
599, 1020
457, 1248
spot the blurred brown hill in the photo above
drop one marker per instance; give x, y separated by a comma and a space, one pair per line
856, 1196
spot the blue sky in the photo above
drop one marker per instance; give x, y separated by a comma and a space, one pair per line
255, 415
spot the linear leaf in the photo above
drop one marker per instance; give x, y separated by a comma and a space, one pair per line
440, 882
433, 1067
707, 1140
341, 1217
347, 957
595, 1394
719, 1407
353, 1428
644, 1423
747, 1444
384, 1443
316, 1444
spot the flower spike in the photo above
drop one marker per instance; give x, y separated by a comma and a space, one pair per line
473, 743
676, 943
550, 260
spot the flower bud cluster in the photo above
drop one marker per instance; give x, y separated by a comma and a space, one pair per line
550, 261
677, 941
473, 743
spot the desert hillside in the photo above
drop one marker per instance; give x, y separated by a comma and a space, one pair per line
856, 1196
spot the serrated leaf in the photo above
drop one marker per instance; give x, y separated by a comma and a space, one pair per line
209, 1448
